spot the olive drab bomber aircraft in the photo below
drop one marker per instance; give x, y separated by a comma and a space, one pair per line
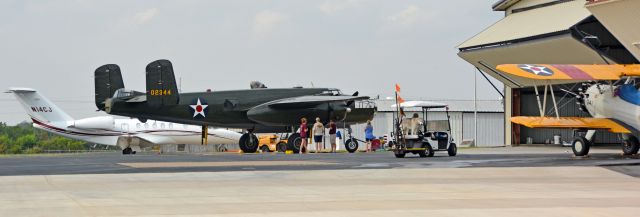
609, 94
255, 110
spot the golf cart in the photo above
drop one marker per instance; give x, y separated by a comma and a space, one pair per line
411, 135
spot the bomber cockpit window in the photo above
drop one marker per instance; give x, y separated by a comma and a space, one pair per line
121, 93
331, 92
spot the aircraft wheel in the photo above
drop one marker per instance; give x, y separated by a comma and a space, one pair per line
294, 142
264, 149
630, 146
580, 146
452, 150
248, 143
126, 150
281, 147
399, 154
351, 145
427, 152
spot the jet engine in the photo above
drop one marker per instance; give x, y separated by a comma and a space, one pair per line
103, 122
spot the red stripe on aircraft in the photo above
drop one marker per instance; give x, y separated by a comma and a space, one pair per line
573, 72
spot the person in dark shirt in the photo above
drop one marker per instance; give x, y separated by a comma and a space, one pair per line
332, 135
304, 132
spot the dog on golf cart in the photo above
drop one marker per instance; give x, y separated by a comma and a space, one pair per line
412, 135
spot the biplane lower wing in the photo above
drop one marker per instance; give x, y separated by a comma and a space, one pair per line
570, 72
571, 122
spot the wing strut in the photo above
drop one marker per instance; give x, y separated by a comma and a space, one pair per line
543, 105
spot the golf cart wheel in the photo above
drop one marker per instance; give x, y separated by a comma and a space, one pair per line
294, 142
580, 146
264, 149
281, 146
399, 154
248, 143
428, 150
630, 146
351, 145
452, 150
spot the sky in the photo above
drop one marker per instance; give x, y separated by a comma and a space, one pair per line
353, 45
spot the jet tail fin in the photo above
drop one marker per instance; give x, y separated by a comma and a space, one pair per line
161, 84
38, 106
108, 79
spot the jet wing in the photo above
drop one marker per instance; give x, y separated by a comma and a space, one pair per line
309, 101
569, 73
571, 122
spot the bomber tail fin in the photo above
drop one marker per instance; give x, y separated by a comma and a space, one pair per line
161, 84
108, 79
38, 106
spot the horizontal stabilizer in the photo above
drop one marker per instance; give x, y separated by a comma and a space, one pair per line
309, 101
570, 122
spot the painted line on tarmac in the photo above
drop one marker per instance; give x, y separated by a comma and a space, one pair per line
224, 164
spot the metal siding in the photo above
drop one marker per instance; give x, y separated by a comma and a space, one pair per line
490, 128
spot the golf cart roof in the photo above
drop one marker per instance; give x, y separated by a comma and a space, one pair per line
420, 104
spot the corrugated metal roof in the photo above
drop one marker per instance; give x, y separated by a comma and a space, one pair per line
384, 105
539, 21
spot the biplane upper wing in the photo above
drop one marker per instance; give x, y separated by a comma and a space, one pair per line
571, 122
570, 72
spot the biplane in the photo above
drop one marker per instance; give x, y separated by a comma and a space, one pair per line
609, 94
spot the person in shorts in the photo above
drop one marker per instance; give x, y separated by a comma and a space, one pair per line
318, 133
368, 133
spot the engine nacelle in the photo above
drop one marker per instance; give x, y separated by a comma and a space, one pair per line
103, 122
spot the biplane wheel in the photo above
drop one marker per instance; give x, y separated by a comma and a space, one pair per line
452, 150
580, 146
248, 143
351, 145
630, 146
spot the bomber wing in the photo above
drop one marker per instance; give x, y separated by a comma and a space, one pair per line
571, 122
308, 101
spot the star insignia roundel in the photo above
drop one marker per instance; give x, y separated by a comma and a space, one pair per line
536, 70
199, 108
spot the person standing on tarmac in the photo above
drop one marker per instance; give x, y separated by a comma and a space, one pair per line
368, 134
332, 135
304, 132
318, 133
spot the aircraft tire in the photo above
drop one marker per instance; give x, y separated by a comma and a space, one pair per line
126, 151
351, 145
580, 146
281, 146
248, 143
630, 146
294, 142
452, 150
399, 154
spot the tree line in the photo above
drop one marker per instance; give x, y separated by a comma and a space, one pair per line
25, 139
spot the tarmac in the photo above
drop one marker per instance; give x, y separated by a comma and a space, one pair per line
520, 181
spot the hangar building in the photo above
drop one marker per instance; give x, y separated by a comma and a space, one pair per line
553, 32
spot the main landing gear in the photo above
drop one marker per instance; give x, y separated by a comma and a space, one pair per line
581, 144
128, 150
249, 142
630, 145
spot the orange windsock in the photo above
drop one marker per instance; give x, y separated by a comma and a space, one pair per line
397, 88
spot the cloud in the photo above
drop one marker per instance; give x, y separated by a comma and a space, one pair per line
330, 7
145, 16
266, 21
409, 16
